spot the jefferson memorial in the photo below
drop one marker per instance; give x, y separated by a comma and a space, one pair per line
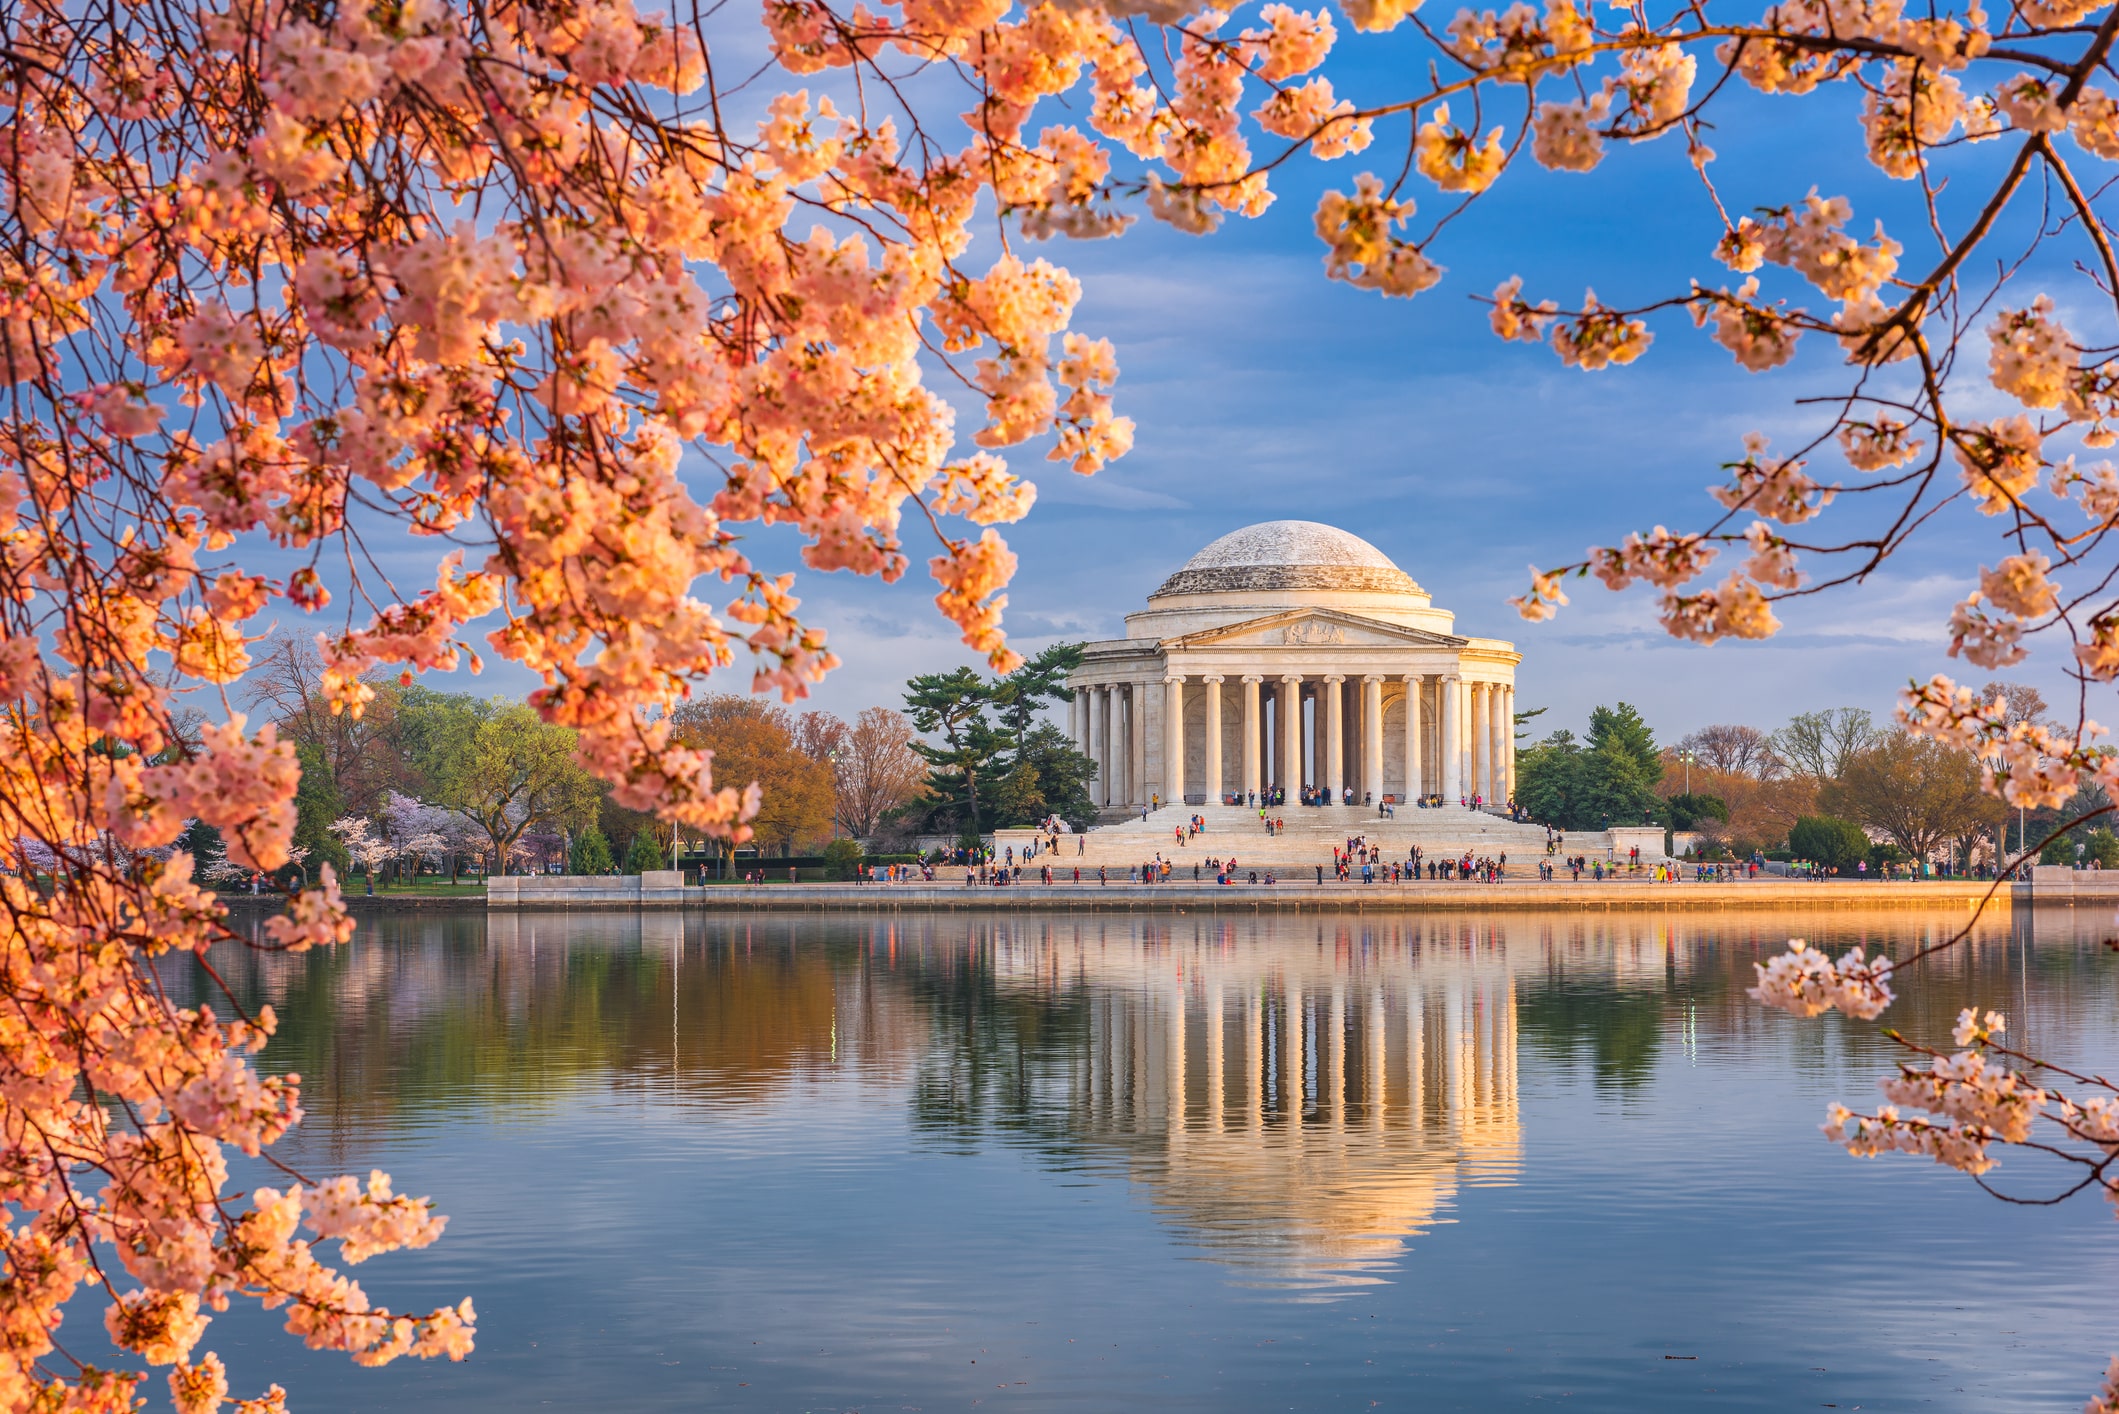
1291, 654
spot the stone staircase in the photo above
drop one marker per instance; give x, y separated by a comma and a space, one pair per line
1310, 836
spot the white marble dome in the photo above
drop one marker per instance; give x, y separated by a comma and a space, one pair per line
1288, 554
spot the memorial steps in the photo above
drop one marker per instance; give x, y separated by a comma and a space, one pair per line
1310, 835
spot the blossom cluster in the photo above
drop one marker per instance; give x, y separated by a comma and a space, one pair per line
2025, 763
1805, 982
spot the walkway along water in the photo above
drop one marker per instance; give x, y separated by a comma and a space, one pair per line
664, 890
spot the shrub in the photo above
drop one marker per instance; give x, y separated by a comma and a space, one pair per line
643, 854
1829, 840
591, 853
842, 859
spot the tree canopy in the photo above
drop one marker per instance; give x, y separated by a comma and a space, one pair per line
992, 762
1609, 780
1829, 840
754, 741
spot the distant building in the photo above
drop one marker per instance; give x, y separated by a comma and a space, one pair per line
1288, 654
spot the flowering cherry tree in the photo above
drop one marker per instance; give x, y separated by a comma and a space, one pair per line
496, 273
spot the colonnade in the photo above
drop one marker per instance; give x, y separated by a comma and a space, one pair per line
1271, 1051
1298, 729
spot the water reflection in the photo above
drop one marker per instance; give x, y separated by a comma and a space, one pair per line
1297, 1100
1296, 1111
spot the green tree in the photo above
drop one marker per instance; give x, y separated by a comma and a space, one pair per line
1610, 779
1063, 775
1549, 780
2102, 846
1685, 812
1620, 731
1827, 839
591, 853
317, 802
205, 846
1920, 792
1017, 799
842, 859
1020, 696
954, 706
644, 853
499, 765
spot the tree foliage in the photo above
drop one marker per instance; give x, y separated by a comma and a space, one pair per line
1733, 749
1688, 812
644, 853
499, 765
876, 772
1609, 780
754, 742
1829, 840
590, 853
994, 763
1920, 793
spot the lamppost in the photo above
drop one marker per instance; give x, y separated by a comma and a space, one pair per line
833, 757
1686, 757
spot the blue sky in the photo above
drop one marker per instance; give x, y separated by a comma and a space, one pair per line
1262, 391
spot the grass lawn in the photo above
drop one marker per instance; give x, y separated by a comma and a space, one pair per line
356, 886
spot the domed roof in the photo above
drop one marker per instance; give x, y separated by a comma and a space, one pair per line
1288, 554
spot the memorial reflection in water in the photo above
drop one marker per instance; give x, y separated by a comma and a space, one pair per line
1297, 1098
1299, 1111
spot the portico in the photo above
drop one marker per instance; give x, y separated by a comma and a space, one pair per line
1292, 654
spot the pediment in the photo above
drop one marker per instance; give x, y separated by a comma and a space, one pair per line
1321, 628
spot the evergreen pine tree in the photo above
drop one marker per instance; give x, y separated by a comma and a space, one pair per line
643, 854
591, 853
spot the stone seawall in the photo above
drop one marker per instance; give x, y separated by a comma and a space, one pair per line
469, 901
1291, 897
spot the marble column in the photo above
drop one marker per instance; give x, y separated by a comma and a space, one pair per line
1099, 743
1114, 745
1137, 739
1508, 721
1319, 736
1483, 717
1481, 730
1372, 738
1100, 724
1254, 725
1270, 731
1452, 722
1291, 733
1174, 738
1413, 787
1212, 785
1335, 735
1470, 726
1497, 738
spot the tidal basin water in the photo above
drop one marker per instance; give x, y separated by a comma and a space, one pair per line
1177, 1162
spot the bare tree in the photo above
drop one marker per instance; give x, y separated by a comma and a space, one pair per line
819, 735
2026, 703
1734, 749
363, 756
1820, 744
876, 770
